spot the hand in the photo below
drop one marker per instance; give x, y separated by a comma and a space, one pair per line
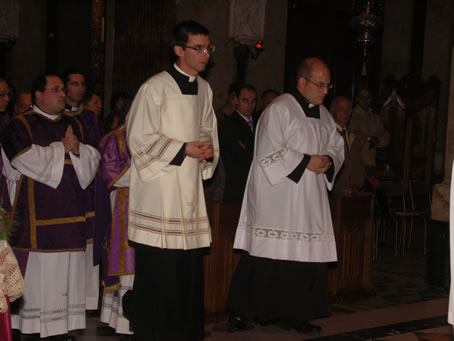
199, 150
209, 152
70, 141
319, 164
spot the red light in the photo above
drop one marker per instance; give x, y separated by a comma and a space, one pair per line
259, 45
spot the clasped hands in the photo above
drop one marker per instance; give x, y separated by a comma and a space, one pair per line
319, 164
200, 150
70, 141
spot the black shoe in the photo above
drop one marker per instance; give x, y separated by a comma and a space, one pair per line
16, 334
126, 304
302, 327
31, 337
238, 324
266, 322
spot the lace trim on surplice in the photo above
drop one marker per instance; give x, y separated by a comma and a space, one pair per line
273, 233
273, 158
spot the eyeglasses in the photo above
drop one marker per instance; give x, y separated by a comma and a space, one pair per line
202, 49
74, 83
56, 89
321, 86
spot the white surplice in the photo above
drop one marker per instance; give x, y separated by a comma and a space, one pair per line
281, 219
166, 201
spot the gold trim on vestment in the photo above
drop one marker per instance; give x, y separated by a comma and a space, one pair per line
112, 288
21, 152
121, 273
26, 124
120, 140
32, 213
123, 196
90, 214
71, 113
68, 162
80, 129
109, 186
56, 221
112, 234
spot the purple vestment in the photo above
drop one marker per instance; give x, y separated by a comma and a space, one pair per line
47, 219
115, 161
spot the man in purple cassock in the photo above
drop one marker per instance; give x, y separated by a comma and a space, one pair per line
48, 164
114, 166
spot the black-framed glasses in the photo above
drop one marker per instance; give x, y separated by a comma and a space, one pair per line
202, 49
321, 86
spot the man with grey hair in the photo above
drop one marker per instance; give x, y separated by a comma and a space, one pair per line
351, 177
285, 224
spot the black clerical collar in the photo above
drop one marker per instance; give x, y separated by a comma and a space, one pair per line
71, 108
186, 87
310, 110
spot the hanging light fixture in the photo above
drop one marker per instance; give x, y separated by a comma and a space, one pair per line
367, 20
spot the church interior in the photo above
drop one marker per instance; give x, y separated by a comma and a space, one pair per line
392, 279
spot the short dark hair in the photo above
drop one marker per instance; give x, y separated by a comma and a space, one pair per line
89, 95
270, 91
116, 96
71, 71
181, 34
39, 84
247, 87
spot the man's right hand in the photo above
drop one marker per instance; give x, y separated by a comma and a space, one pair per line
199, 150
318, 164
